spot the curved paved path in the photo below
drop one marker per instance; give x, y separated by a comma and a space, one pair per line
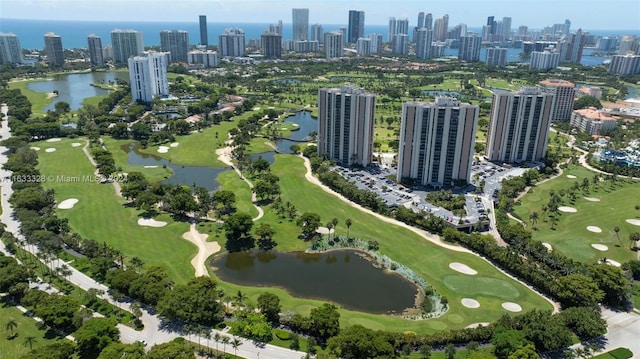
116, 184
224, 156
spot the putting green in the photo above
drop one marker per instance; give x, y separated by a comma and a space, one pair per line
473, 286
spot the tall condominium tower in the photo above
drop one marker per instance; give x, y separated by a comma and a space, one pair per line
126, 43
95, 50
491, 24
440, 28
496, 57
356, 25
346, 117
376, 43
232, 43
625, 64
436, 141
628, 44
54, 50
565, 93
571, 47
428, 21
317, 33
424, 38
271, 44
176, 42
506, 28
519, 125
400, 44
398, 26
420, 20
204, 35
300, 24
10, 49
148, 76
363, 46
334, 44
544, 60
469, 48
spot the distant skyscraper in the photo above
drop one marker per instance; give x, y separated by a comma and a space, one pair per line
126, 43
356, 25
400, 44
271, 45
428, 21
376, 43
420, 20
95, 50
54, 50
625, 64
205, 58
398, 26
628, 44
519, 125
565, 93
391, 28
491, 24
334, 44
469, 49
506, 28
232, 43
571, 47
204, 35
300, 24
10, 49
176, 42
440, 28
423, 43
363, 46
567, 27
544, 60
148, 76
436, 141
346, 117
317, 33
496, 57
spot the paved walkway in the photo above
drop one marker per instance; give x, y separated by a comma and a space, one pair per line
116, 184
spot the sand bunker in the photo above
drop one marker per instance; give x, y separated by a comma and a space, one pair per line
68, 203
175, 144
571, 176
470, 303
76, 144
205, 249
163, 149
54, 140
476, 325
50, 150
600, 247
462, 268
594, 229
150, 222
611, 262
150, 166
548, 246
512, 307
592, 199
635, 222
567, 209
35, 148
324, 230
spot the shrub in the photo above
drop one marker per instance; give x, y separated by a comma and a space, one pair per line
282, 334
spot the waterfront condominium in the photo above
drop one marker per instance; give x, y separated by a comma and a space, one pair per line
317, 33
176, 42
565, 93
544, 60
496, 56
424, 38
436, 141
346, 117
356, 25
54, 50
300, 24
95, 50
469, 48
333, 44
232, 43
204, 36
625, 64
126, 43
519, 125
271, 44
10, 49
148, 76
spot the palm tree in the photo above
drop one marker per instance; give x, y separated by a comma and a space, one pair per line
216, 338
633, 239
348, 224
617, 230
235, 343
533, 217
207, 336
329, 227
225, 341
11, 326
334, 222
29, 341
240, 297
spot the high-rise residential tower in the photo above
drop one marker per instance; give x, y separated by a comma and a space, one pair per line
436, 141
95, 50
10, 49
126, 43
300, 24
356, 26
317, 33
565, 93
176, 42
334, 44
469, 49
54, 50
625, 64
148, 76
571, 47
346, 117
496, 57
506, 28
420, 20
428, 21
271, 44
424, 37
232, 43
519, 125
376, 42
544, 60
204, 35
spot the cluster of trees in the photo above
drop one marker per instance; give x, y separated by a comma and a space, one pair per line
420, 219
447, 200
362, 197
238, 228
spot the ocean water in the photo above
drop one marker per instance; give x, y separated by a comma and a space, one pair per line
74, 33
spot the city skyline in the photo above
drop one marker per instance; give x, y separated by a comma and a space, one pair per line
616, 15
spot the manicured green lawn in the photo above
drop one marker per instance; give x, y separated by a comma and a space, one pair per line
26, 327
102, 216
571, 236
120, 157
39, 100
230, 181
428, 260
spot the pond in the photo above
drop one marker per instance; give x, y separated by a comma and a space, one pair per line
74, 88
306, 124
343, 277
184, 175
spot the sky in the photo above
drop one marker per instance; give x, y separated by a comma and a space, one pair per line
587, 14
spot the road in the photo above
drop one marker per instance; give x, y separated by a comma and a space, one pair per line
155, 331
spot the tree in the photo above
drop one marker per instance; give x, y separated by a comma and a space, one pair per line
633, 239
11, 325
578, 290
450, 351
265, 236
295, 148
526, 352
62, 107
175, 349
237, 227
507, 341
225, 340
587, 101
29, 340
617, 230
325, 321
357, 341
235, 343
121, 350
425, 351
348, 223
269, 305
94, 335
185, 302
253, 325
61, 349
309, 222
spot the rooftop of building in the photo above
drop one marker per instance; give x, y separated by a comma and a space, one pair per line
593, 113
557, 82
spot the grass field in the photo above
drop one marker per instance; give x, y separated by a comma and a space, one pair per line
120, 157
39, 100
571, 236
101, 215
27, 327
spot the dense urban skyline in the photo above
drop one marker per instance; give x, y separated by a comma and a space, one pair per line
615, 14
